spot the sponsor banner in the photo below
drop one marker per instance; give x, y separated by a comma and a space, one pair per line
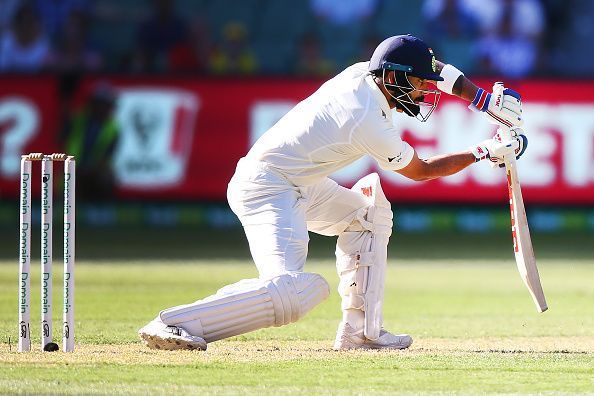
180, 138
29, 117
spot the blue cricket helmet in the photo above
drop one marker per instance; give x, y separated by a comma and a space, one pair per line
407, 54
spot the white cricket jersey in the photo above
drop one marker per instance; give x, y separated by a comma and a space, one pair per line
346, 118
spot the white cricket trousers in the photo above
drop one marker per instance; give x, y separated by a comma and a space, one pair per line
277, 215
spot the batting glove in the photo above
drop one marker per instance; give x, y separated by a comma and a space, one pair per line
503, 107
495, 149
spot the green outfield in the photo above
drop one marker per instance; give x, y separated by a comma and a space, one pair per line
475, 327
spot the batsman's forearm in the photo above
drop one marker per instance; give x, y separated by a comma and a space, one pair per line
447, 164
463, 87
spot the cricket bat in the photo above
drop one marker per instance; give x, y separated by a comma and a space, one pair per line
523, 250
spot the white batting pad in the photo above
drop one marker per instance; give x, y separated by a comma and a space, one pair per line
249, 305
361, 256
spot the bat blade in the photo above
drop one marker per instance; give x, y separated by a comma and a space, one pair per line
523, 251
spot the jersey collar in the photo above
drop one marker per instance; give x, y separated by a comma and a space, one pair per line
379, 96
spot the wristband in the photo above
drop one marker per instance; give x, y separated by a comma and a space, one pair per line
450, 75
480, 101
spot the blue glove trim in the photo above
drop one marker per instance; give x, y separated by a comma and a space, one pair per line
523, 145
511, 92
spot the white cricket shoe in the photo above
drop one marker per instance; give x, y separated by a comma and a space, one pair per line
348, 338
157, 335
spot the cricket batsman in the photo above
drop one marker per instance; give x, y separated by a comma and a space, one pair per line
280, 191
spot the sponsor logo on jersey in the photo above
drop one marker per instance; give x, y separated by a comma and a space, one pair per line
367, 191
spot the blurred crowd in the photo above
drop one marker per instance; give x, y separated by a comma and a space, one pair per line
512, 38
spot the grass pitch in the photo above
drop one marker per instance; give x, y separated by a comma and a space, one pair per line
475, 327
